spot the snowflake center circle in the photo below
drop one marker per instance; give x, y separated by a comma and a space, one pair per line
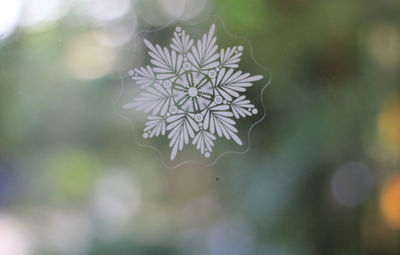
193, 92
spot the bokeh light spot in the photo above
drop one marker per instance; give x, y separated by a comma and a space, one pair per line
14, 238
71, 173
106, 10
116, 198
384, 45
390, 201
234, 237
66, 232
38, 12
352, 184
88, 59
10, 12
117, 33
389, 123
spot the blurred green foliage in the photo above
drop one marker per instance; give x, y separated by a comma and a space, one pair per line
335, 66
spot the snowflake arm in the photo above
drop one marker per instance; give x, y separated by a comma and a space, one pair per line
218, 119
144, 76
155, 99
181, 127
204, 141
230, 83
181, 42
168, 64
155, 125
204, 56
241, 107
230, 57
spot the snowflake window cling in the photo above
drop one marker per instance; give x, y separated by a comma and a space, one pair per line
192, 92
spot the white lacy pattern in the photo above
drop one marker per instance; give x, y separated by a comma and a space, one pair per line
192, 92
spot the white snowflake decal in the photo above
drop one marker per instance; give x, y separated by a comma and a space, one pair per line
192, 92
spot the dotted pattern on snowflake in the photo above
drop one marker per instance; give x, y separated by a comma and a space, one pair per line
192, 92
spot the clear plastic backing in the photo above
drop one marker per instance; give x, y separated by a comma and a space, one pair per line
193, 92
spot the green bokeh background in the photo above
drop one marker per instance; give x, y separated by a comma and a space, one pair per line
71, 175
